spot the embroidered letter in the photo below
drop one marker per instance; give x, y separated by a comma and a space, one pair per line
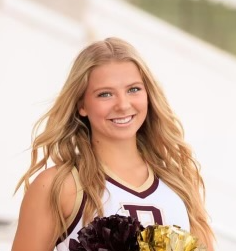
148, 215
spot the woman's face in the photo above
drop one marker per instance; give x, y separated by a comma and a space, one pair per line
115, 101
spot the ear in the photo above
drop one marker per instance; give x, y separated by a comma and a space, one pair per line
81, 109
82, 112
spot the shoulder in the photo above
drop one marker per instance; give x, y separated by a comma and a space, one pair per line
36, 225
42, 186
39, 191
44, 179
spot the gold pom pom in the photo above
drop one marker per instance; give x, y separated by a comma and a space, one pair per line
167, 238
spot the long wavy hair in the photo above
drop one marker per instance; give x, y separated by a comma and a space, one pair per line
65, 140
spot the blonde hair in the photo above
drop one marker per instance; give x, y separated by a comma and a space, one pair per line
66, 141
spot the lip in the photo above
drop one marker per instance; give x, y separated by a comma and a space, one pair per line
122, 121
123, 117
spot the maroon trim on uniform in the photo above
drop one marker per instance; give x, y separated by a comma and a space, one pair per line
143, 194
75, 221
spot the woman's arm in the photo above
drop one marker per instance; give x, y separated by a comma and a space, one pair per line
36, 224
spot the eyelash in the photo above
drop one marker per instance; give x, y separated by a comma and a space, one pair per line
108, 94
104, 94
134, 88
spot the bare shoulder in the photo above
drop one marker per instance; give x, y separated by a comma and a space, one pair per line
43, 182
36, 221
44, 179
36, 224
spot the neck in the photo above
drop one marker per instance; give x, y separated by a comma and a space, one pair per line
118, 154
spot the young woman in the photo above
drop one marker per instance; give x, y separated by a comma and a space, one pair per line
117, 147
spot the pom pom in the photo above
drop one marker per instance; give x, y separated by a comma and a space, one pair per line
167, 238
113, 233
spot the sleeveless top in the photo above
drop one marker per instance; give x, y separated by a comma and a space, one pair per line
153, 202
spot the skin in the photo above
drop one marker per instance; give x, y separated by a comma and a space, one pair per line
116, 105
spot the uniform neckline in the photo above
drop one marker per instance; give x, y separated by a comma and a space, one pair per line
146, 185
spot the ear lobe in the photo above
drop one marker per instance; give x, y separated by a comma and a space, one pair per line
82, 112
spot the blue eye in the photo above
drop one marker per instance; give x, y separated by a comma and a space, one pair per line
134, 89
104, 94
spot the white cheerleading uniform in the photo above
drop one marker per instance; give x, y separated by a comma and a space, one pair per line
153, 202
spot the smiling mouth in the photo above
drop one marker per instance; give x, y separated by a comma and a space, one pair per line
122, 120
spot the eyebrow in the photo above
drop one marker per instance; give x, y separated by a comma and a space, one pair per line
111, 88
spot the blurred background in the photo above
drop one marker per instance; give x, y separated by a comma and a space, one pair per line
190, 46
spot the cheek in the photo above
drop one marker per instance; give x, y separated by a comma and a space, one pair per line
97, 111
143, 102
143, 106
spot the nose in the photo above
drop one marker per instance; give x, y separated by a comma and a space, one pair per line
122, 102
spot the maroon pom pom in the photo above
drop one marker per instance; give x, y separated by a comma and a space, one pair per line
113, 233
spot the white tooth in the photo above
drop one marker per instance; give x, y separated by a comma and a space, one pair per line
122, 121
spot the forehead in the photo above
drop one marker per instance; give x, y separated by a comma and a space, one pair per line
114, 73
